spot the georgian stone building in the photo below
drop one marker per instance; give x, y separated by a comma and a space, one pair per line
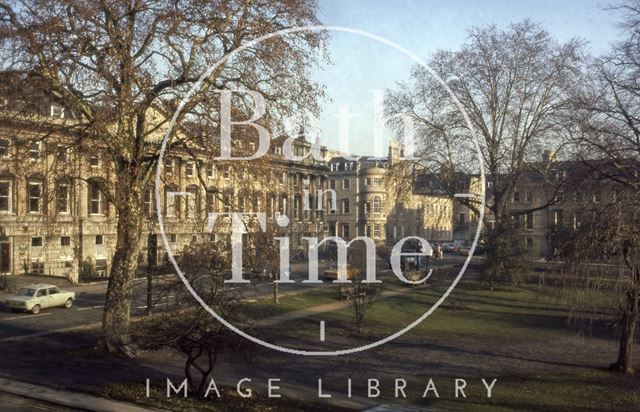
56, 217
554, 198
383, 199
360, 197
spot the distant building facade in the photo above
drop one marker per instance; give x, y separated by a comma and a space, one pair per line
381, 198
56, 218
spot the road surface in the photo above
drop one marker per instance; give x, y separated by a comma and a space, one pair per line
87, 308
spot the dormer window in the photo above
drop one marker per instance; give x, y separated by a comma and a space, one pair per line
57, 111
278, 150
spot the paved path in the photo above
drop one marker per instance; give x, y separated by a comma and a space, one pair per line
328, 307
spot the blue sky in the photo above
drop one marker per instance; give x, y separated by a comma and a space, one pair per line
423, 26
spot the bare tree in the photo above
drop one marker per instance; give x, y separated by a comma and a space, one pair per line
611, 133
361, 294
123, 64
602, 259
516, 85
264, 250
186, 327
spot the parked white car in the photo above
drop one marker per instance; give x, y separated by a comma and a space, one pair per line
32, 298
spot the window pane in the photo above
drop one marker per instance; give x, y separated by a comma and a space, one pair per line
35, 193
63, 198
170, 202
5, 196
34, 150
4, 147
94, 197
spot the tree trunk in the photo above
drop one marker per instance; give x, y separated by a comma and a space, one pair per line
628, 326
275, 291
149, 290
115, 337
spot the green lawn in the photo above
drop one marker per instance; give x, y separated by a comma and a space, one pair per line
519, 335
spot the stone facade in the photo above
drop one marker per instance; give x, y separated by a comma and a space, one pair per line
380, 198
56, 218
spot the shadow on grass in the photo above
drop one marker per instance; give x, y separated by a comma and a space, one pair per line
491, 354
69, 360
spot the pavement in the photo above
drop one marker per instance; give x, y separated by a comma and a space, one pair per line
401, 408
27, 397
12, 403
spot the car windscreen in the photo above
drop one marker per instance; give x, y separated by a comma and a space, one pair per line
27, 292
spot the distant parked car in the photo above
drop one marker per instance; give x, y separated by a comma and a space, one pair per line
464, 250
32, 298
448, 247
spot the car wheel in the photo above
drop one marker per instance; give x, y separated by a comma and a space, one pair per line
68, 303
35, 310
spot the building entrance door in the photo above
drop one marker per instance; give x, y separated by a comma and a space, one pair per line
5, 257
